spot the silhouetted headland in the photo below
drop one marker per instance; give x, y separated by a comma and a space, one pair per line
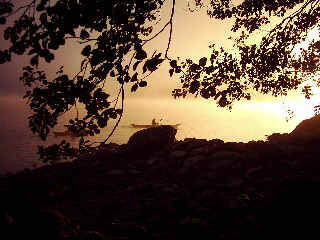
157, 188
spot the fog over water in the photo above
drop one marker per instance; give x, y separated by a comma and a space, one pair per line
199, 119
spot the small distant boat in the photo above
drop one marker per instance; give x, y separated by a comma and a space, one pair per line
153, 125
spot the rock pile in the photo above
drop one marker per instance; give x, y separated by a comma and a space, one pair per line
192, 188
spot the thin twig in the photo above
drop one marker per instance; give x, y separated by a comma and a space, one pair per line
157, 34
170, 34
122, 103
118, 121
164, 27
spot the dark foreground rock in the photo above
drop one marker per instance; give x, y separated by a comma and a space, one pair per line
193, 188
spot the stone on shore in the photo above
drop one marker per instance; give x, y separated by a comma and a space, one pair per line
150, 140
307, 130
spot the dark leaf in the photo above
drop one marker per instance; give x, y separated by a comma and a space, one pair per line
205, 93
49, 57
7, 33
173, 63
102, 122
32, 51
82, 63
135, 65
134, 77
143, 84
209, 69
119, 111
86, 51
141, 54
194, 86
194, 67
3, 20
34, 60
127, 78
45, 43
171, 72
113, 115
217, 95
177, 70
144, 68
158, 55
134, 87
53, 45
203, 61
84, 34
72, 32
223, 102
152, 64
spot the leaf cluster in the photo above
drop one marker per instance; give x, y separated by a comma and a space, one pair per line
110, 30
219, 78
269, 66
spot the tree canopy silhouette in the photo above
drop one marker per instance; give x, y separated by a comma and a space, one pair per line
113, 34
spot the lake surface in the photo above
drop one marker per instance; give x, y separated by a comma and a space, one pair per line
199, 119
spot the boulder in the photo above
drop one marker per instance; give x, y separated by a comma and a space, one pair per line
150, 140
307, 130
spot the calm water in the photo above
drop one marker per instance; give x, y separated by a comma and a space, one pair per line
198, 119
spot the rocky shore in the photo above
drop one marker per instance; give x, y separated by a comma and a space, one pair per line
159, 188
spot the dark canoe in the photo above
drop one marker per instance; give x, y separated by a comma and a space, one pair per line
152, 125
